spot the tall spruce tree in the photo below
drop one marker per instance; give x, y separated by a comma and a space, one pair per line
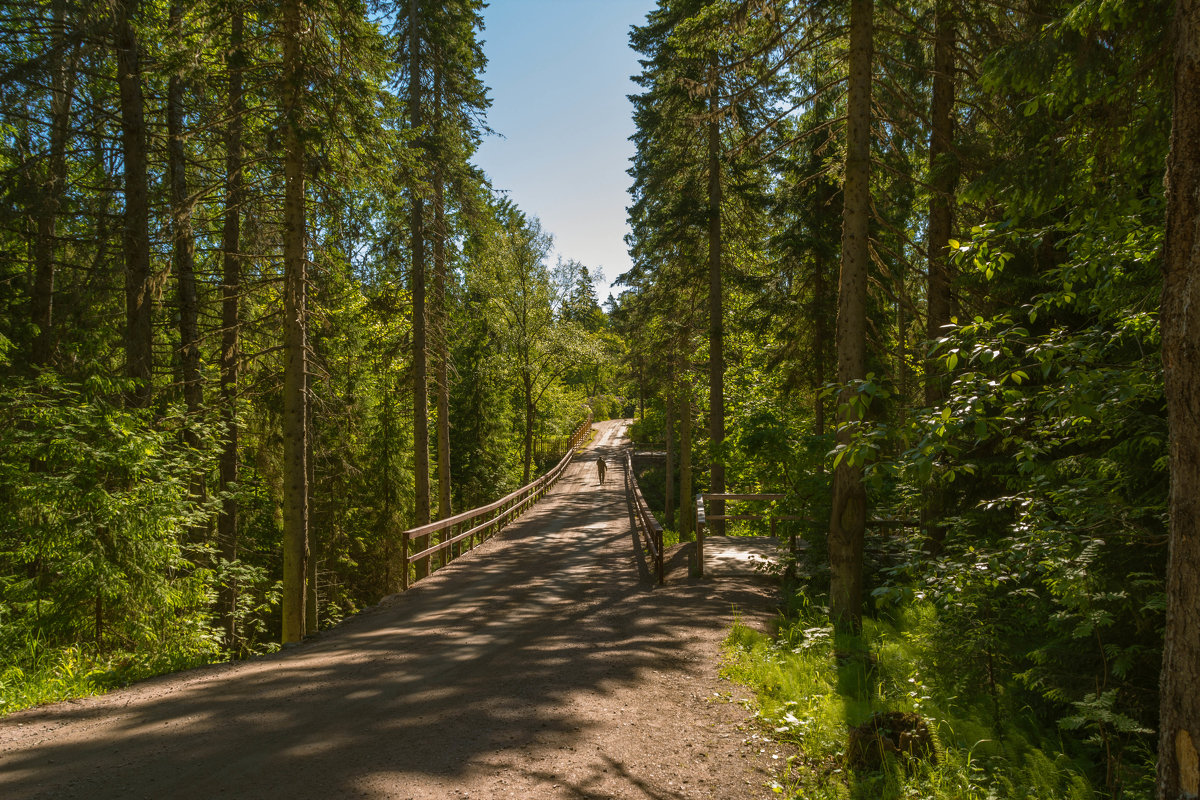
1179, 738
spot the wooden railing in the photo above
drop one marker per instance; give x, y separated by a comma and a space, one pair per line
478, 524
649, 528
702, 520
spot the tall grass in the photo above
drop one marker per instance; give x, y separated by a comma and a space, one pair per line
39, 675
813, 685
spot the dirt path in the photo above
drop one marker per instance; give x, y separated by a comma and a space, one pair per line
544, 664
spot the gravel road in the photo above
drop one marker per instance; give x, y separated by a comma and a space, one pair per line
543, 664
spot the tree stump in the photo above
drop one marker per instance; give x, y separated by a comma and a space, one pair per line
897, 732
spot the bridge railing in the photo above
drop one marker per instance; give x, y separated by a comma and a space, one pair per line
478, 524
648, 527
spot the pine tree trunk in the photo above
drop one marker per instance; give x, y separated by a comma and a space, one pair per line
231, 287
716, 319
388, 489
943, 171
820, 344
420, 367
184, 244
295, 401
1179, 714
440, 322
45, 245
310, 465
902, 383
184, 251
848, 520
139, 288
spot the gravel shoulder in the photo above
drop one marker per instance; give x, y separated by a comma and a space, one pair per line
543, 664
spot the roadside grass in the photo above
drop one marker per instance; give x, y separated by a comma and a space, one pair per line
813, 684
36, 676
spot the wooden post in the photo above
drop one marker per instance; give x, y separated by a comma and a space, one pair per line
404, 561
658, 535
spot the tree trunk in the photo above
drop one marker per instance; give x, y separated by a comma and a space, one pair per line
943, 178
440, 323
295, 401
420, 367
641, 390
388, 487
310, 574
943, 172
716, 320
1179, 714
687, 512
421, 501
848, 520
530, 414
184, 252
139, 288
45, 245
669, 477
820, 343
902, 383
231, 280
184, 246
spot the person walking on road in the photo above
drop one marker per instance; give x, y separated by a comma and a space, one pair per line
601, 467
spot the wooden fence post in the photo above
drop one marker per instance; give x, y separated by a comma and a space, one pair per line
404, 561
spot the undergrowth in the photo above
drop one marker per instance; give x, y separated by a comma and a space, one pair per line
50, 675
813, 684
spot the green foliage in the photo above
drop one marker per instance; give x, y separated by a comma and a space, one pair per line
813, 684
1049, 458
1038, 466
119, 544
94, 542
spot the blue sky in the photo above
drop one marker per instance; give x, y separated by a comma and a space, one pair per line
559, 75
